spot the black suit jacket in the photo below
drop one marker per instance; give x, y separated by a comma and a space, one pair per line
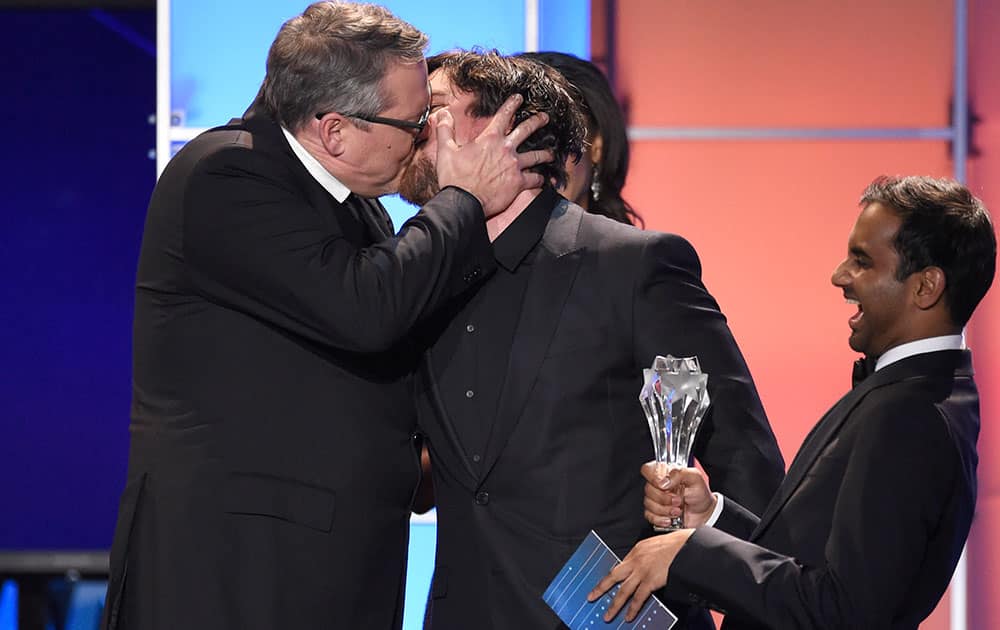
570, 436
868, 525
271, 465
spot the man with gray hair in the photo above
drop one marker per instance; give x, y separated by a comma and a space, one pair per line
271, 464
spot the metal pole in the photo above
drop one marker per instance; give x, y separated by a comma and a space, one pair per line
960, 98
959, 602
162, 85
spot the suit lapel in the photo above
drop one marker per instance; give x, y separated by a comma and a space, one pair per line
362, 224
812, 446
374, 216
552, 275
948, 362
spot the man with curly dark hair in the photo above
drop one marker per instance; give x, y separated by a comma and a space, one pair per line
478, 83
529, 391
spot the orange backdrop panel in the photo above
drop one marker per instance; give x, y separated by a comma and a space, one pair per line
770, 221
782, 63
984, 179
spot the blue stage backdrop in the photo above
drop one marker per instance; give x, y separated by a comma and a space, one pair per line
78, 171
215, 74
79, 90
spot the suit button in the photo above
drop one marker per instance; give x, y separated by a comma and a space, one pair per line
482, 497
473, 273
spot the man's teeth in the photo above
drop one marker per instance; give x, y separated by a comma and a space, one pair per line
852, 301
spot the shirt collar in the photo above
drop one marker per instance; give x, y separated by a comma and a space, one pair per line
920, 346
320, 174
521, 236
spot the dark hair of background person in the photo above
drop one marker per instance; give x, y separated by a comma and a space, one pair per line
943, 225
493, 78
604, 118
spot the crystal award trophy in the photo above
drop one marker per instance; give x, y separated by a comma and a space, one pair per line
674, 397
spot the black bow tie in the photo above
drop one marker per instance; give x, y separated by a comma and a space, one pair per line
863, 368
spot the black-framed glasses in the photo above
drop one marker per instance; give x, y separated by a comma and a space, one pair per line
392, 122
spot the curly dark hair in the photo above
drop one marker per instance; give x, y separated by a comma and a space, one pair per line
945, 226
604, 117
492, 78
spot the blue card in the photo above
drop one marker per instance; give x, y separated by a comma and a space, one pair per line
567, 594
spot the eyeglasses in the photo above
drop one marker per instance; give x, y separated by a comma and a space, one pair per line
392, 122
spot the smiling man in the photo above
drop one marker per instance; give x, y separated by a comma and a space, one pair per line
868, 525
529, 399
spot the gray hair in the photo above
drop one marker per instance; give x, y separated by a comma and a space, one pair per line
333, 57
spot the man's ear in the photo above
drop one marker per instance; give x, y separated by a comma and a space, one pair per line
331, 132
929, 289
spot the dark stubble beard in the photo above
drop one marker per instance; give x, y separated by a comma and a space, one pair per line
419, 182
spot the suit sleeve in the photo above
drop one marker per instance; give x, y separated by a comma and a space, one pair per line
253, 242
736, 520
675, 314
889, 501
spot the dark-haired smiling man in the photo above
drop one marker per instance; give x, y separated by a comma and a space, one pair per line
870, 521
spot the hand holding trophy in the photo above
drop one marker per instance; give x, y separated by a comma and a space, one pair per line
674, 398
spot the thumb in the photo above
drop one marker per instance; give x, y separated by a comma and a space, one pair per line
691, 480
445, 128
653, 472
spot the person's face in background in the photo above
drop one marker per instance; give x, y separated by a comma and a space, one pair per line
580, 175
419, 182
868, 279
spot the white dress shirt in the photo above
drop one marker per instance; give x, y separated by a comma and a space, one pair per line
320, 174
920, 346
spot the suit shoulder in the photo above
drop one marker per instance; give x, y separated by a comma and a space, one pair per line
236, 144
608, 232
912, 428
600, 225
935, 405
674, 243
901, 409
235, 154
654, 252
215, 140
671, 251
919, 391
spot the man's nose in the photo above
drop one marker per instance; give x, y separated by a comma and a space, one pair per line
839, 277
